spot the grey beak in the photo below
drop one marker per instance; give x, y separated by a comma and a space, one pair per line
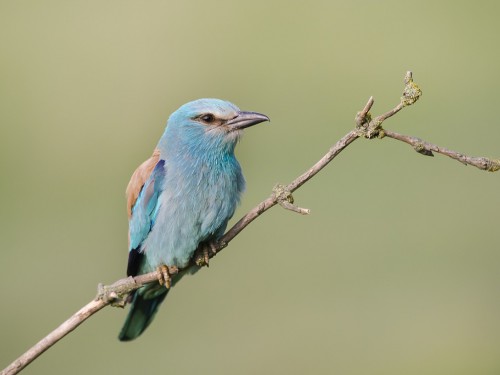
246, 119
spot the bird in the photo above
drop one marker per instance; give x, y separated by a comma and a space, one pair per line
181, 199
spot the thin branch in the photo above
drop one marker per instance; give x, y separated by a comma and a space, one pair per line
427, 148
116, 293
361, 117
69, 325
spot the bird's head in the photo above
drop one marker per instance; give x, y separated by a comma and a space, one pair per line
208, 123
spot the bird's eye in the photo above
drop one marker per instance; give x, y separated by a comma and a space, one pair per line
208, 118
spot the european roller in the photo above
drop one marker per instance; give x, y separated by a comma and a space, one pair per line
181, 198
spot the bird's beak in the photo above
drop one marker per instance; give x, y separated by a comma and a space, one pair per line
246, 119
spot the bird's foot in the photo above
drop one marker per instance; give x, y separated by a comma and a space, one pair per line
165, 275
204, 252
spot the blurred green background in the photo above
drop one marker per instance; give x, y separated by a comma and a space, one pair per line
396, 271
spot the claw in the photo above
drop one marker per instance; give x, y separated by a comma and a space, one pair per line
165, 275
213, 247
209, 247
205, 250
206, 255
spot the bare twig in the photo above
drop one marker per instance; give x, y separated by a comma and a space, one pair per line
371, 128
366, 127
363, 117
116, 293
426, 148
69, 325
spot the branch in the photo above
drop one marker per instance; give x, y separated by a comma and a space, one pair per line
69, 325
116, 293
427, 149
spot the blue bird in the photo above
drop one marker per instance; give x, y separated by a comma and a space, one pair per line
181, 198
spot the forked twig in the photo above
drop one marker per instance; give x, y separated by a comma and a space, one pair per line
366, 126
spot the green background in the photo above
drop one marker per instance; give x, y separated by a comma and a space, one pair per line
396, 270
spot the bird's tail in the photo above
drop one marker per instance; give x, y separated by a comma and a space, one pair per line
141, 314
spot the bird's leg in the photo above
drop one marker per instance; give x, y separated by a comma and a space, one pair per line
209, 247
204, 250
165, 275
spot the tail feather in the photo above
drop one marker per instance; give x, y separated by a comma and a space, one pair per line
141, 314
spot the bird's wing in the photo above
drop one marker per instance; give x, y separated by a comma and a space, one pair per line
138, 180
143, 215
